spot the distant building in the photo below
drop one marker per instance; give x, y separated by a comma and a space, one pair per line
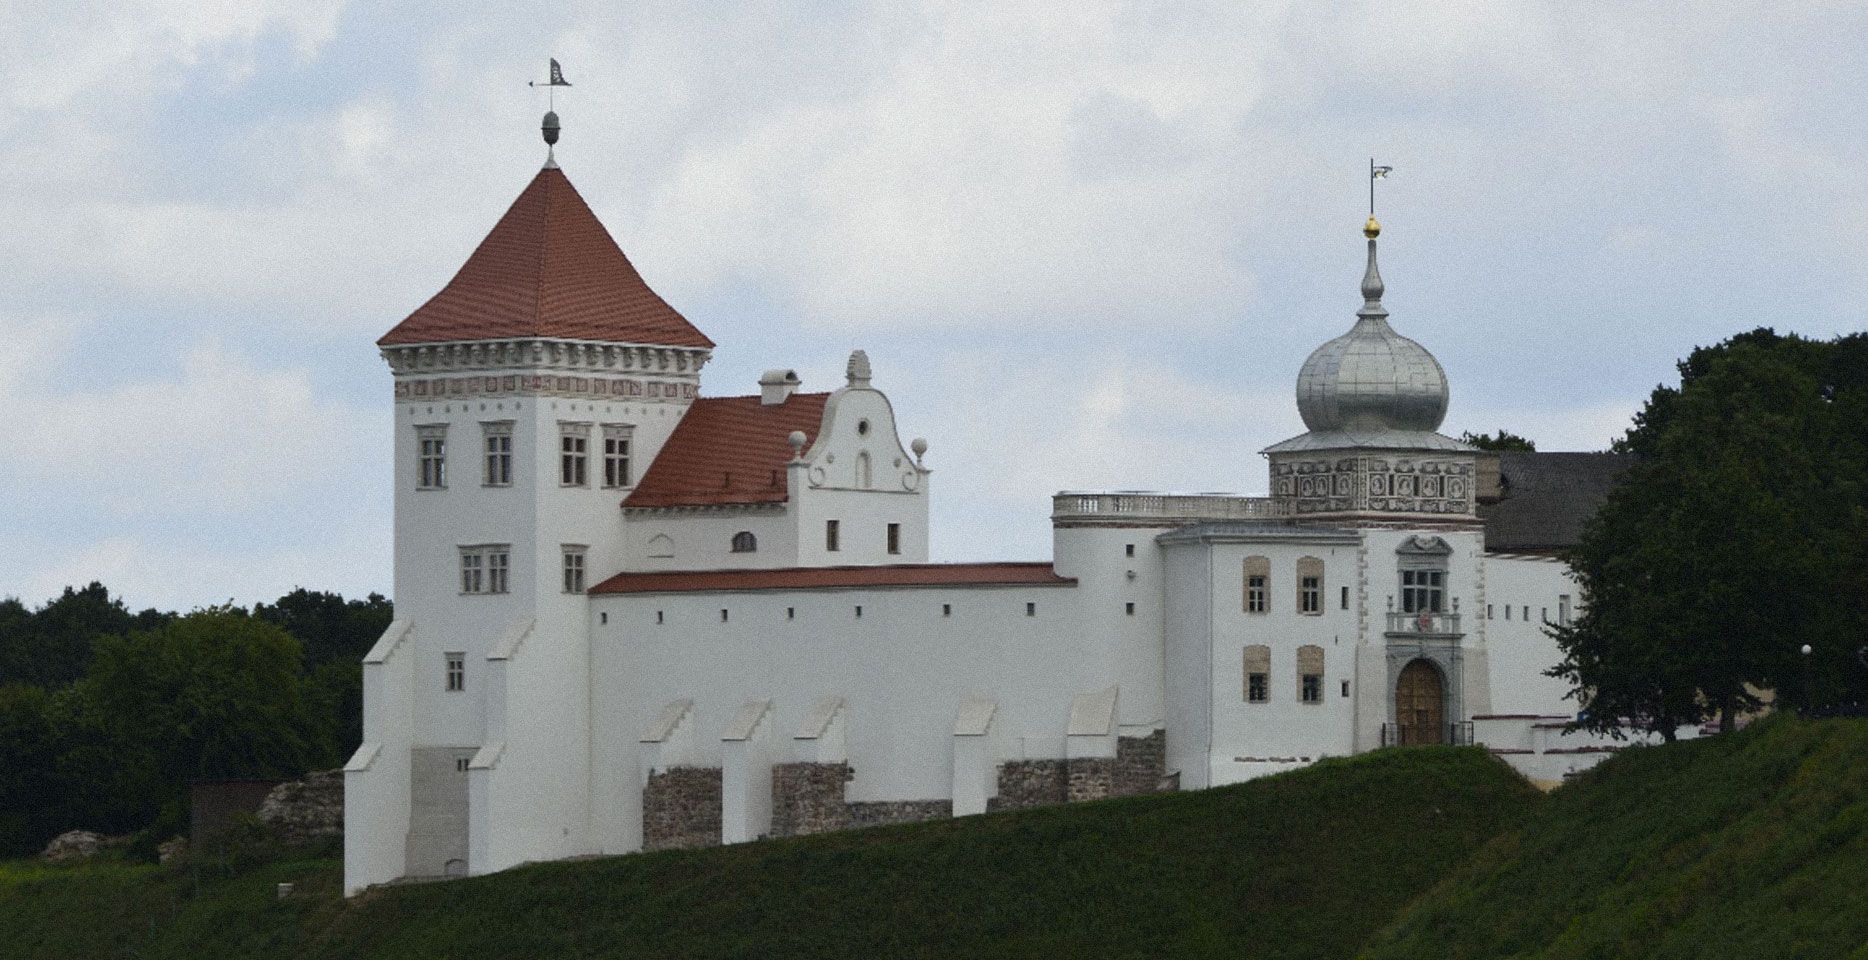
629, 616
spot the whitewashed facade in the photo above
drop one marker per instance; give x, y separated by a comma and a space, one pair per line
723, 645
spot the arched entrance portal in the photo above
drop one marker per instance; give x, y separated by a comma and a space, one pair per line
1420, 705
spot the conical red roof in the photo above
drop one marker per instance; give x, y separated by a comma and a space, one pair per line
548, 269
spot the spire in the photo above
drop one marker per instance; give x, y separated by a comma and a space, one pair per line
550, 129
1372, 308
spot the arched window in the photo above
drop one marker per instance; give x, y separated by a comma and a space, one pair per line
1257, 584
1257, 673
1310, 673
745, 542
1310, 586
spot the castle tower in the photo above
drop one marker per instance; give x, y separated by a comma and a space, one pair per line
529, 395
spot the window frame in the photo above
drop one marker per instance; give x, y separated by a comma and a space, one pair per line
618, 449
431, 456
573, 453
496, 453
833, 536
574, 568
895, 539
744, 541
454, 671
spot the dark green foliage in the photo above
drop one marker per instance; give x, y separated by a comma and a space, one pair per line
51, 647
1739, 535
1753, 844
109, 714
1502, 440
1308, 864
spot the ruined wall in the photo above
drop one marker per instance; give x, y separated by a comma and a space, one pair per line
309, 808
1030, 783
1141, 763
808, 798
681, 808
877, 813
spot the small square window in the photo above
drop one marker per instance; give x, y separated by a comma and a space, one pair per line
791, 613
722, 614
603, 617
1031, 609
1257, 689
1129, 550
1129, 608
859, 611
460, 764
946, 609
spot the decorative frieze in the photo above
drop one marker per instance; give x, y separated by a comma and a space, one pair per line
1387, 483
523, 385
545, 354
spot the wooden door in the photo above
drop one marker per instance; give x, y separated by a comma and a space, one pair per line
1420, 704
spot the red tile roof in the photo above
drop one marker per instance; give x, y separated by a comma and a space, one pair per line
796, 578
728, 450
548, 269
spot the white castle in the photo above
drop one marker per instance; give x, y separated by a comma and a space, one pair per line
629, 616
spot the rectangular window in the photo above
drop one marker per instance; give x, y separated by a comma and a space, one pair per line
498, 560
1310, 595
616, 439
1488, 611
432, 458
1255, 593
1527, 613
498, 440
573, 569
722, 614
859, 611
1257, 688
1313, 688
791, 613
1031, 609
471, 579
1129, 608
1563, 609
1129, 550
1422, 590
483, 568
1345, 688
830, 536
946, 609
895, 538
1508, 611
460, 764
457, 672
1345, 598
574, 454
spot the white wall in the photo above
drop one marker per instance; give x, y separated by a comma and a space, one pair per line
1520, 650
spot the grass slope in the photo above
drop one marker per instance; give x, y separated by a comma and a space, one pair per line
1308, 864
1753, 844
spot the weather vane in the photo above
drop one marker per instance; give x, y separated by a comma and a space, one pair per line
550, 127
1371, 229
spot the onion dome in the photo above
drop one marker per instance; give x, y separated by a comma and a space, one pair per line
1371, 381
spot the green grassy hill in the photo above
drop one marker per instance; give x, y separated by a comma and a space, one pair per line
1309, 864
1748, 845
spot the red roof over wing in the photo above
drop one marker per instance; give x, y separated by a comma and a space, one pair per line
547, 269
728, 450
794, 578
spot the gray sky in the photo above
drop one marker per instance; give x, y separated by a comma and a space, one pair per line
1086, 245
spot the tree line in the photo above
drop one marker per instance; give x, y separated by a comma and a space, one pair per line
107, 715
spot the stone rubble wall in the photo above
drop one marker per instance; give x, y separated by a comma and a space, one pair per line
309, 808
1141, 764
808, 798
878, 813
1024, 784
1089, 778
681, 808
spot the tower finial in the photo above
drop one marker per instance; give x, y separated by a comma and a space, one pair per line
550, 127
1372, 277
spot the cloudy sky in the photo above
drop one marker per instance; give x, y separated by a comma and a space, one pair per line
1086, 245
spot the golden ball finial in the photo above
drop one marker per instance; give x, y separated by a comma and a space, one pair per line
1371, 229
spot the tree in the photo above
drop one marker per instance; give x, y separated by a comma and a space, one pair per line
31, 801
1738, 536
330, 627
50, 647
215, 694
1503, 440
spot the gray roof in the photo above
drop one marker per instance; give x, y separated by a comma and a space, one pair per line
1546, 499
1377, 439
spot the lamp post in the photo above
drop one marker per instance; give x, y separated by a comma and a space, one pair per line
1808, 701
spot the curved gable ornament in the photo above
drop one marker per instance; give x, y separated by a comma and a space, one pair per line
1424, 545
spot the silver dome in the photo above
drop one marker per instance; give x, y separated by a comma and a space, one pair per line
1371, 379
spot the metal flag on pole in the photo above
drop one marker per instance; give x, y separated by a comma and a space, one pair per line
557, 80
557, 77
1376, 173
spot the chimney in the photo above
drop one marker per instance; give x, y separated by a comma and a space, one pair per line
1488, 482
776, 385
